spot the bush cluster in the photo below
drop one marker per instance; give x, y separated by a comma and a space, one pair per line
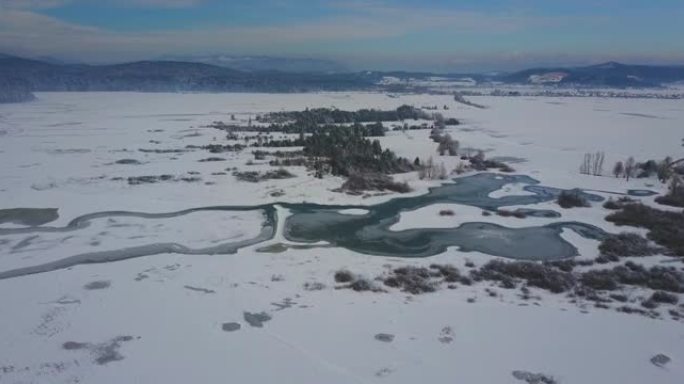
534, 274
666, 228
571, 199
255, 177
625, 244
374, 182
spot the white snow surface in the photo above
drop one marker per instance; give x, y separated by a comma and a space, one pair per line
60, 152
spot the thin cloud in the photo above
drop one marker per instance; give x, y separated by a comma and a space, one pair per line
32, 4
159, 3
358, 32
31, 33
47, 4
38, 34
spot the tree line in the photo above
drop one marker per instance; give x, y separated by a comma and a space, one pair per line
344, 151
336, 116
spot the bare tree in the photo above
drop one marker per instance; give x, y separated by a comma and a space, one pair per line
460, 168
429, 169
675, 185
442, 172
618, 169
441, 147
448, 145
630, 167
597, 163
432, 171
585, 167
479, 156
440, 123
592, 163
664, 170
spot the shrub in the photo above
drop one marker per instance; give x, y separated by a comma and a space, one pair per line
665, 228
658, 278
137, 180
630, 310
343, 276
536, 275
356, 283
280, 173
128, 162
362, 285
255, 177
519, 214
373, 182
584, 263
647, 169
571, 199
626, 244
249, 176
666, 279
675, 196
563, 265
611, 204
671, 200
415, 280
450, 273
664, 297
619, 297
289, 162
605, 259
600, 280
313, 286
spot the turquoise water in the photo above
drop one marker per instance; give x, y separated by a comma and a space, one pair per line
368, 233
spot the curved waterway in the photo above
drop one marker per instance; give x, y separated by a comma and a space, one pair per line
367, 233
370, 233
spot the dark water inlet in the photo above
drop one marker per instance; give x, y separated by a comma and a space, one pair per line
28, 216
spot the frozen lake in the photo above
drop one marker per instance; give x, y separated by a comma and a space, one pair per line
237, 276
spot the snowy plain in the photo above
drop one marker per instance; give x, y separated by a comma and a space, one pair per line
64, 151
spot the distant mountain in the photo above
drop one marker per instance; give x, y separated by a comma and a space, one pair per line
19, 77
609, 74
167, 76
264, 63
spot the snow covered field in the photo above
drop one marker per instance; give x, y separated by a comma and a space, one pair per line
172, 318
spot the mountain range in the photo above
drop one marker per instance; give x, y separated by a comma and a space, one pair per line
20, 76
609, 74
264, 63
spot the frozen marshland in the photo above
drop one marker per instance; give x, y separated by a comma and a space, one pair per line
128, 253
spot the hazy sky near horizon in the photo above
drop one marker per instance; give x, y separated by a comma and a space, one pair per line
442, 35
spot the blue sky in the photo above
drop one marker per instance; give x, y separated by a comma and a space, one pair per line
435, 35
